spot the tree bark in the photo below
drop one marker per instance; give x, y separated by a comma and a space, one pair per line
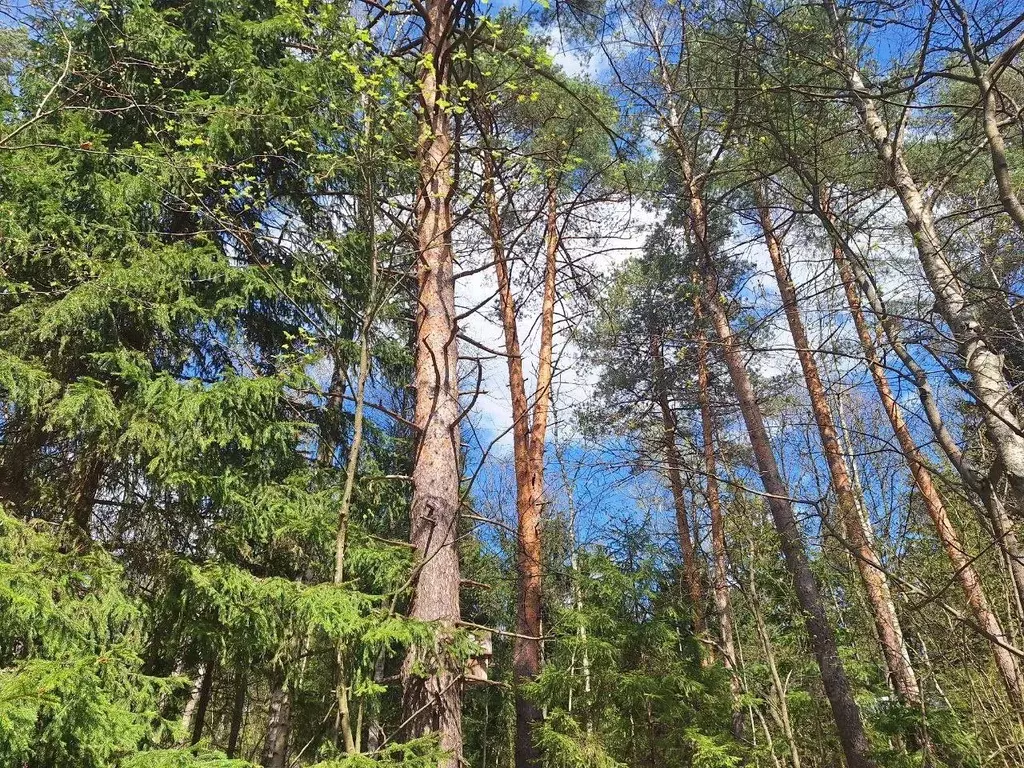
275, 745
844, 707
526, 654
720, 569
901, 673
823, 640
237, 714
432, 702
202, 704
691, 571
86, 479
985, 79
984, 363
974, 479
963, 565
845, 711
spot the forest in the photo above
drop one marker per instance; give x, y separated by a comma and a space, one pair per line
511, 384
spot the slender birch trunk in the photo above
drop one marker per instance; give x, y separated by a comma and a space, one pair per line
577, 590
275, 745
201, 687
963, 565
984, 363
974, 480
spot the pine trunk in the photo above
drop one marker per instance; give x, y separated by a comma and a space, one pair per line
432, 702
202, 704
963, 564
527, 657
720, 569
691, 571
901, 674
845, 711
528, 435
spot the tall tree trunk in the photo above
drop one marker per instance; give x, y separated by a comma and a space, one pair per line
202, 704
845, 711
901, 675
528, 435
527, 652
963, 564
974, 479
720, 569
237, 714
848, 721
691, 570
984, 363
432, 702
275, 745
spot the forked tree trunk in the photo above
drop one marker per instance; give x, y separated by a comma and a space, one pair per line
527, 658
901, 673
431, 678
528, 435
720, 570
963, 564
691, 570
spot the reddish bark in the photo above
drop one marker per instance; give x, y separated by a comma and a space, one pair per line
719, 578
691, 571
876, 585
845, 711
528, 433
963, 565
